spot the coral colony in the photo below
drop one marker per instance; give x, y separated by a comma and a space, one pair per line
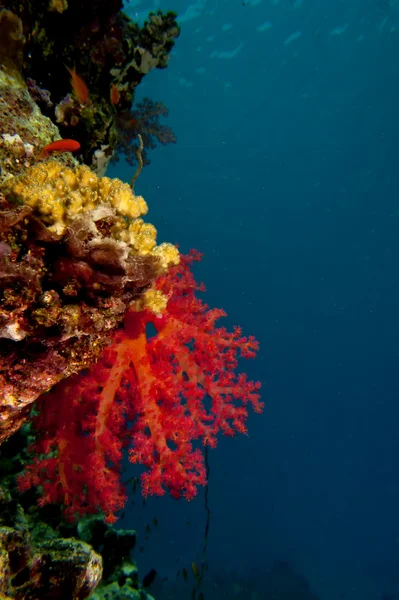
159, 385
82, 274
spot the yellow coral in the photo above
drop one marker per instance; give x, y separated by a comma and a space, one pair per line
167, 254
58, 195
154, 300
140, 235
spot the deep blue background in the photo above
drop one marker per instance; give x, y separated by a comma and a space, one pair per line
286, 176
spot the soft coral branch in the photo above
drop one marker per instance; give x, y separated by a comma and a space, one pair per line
174, 389
143, 119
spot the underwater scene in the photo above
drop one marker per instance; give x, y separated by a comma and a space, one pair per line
199, 291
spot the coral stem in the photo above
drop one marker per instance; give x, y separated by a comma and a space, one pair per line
139, 154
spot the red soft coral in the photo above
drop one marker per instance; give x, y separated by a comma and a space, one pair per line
162, 392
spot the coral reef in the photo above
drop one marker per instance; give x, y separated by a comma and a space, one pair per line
58, 196
46, 569
104, 344
108, 53
27, 129
74, 255
34, 540
120, 573
150, 392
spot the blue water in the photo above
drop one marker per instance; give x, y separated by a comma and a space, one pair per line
286, 176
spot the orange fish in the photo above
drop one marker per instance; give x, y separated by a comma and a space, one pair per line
114, 94
59, 146
79, 86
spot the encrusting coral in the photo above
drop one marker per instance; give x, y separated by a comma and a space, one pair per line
74, 254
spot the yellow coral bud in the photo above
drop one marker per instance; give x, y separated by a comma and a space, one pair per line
75, 203
51, 170
123, 200
155, 301
141, 236
146, 239
167, 254
86, 177
105, 186
143, 206
70, 179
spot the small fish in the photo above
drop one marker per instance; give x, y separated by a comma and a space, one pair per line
196, 572
79, 86
147, 528
59, 146
155, 522
185, 574
114, 95
149, 578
